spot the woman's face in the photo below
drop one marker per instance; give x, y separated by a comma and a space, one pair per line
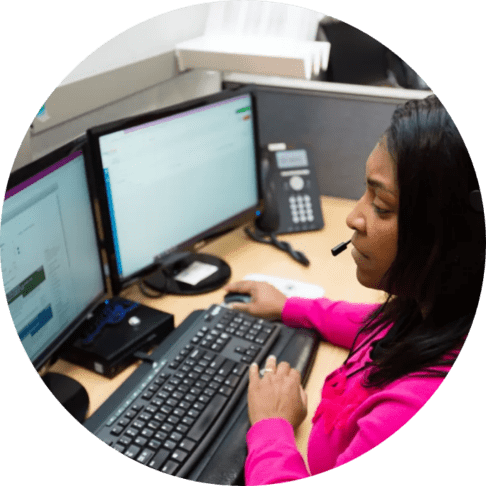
375, 220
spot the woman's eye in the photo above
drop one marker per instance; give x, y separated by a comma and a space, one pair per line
379, 210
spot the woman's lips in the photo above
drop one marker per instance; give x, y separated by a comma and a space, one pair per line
358, 255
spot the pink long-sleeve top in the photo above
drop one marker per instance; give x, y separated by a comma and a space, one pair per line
350, 419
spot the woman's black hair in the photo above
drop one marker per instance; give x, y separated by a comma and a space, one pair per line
435, 281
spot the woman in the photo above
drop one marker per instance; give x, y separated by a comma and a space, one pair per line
419, 236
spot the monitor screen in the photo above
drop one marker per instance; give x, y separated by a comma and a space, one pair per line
50, 257
174, 179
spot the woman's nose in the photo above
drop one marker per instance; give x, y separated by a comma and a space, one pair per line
355, 219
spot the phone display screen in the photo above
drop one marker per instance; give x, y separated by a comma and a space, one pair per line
291, 159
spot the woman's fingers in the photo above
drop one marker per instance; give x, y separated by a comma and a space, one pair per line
271, 364
254, 374
276, 391
243, 286
283, 369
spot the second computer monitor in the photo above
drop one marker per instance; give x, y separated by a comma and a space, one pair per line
51, 262
174, 177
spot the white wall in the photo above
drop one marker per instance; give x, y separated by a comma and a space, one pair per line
128, 71
143, 41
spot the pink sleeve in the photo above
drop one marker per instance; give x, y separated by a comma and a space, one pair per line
389, 410
337, 321
273, 456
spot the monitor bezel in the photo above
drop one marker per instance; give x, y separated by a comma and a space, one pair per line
18, 177
119, 283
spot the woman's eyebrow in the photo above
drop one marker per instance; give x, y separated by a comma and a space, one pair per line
378, 185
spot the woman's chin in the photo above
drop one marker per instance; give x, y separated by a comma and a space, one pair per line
367, 280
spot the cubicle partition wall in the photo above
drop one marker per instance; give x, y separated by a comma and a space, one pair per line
338, 124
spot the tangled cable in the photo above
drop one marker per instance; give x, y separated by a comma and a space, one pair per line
271, 239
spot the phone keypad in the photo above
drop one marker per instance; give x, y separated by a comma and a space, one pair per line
301, 208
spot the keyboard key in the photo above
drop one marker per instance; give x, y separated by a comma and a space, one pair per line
232, 381
138, 424
148, 432
117, 430
182, 428
187, 421
167, 427
226, 390
170, 444
170, 468
145, 456
140, 441
240, 369
153, 424
154, 444
131, 432
179, 455
151, 409
125, 440
159, 459
187, 444
207, 417
226, 368
176, 436
161, 435
132, 451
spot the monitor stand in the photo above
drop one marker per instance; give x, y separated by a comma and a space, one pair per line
163, 279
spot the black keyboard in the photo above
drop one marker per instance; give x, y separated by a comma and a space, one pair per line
169, 412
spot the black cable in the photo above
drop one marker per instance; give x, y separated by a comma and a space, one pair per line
281, 245
152, 294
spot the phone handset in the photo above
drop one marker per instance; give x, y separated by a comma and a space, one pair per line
269, 220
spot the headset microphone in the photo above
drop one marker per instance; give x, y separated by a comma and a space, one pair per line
340, 248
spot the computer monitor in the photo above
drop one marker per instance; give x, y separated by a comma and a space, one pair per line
50, 258
171, 178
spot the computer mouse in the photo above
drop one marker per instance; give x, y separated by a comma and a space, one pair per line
232, 297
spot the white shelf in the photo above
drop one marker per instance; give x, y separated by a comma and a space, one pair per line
266, 55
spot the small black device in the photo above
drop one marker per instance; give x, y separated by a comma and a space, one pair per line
117, 331
236, 297
340, 248
291, 201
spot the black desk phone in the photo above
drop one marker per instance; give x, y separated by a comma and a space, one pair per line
290, 192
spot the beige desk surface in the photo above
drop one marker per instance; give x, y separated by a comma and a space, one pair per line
337, 275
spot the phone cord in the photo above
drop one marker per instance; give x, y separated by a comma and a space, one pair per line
281, 245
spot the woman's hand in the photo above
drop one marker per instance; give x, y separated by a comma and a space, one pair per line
278, 394
266, 301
